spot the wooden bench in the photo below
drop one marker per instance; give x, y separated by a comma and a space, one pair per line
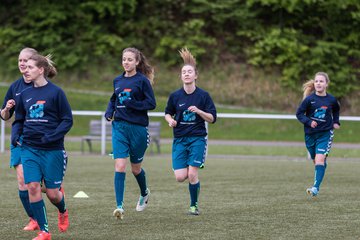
95, 134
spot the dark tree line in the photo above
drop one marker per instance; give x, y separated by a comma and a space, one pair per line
295, 37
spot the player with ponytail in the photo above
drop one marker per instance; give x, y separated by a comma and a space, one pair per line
44, 117
319, 112
186, 112
128, 108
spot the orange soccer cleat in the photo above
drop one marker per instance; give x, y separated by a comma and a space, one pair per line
42, 235
32, 225
63, 221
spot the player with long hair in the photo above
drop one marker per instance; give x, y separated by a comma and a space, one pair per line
128, 108
44, 117
9, 107
186, 112
319, 112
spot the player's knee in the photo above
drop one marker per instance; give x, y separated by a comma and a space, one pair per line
193, 177
180, 178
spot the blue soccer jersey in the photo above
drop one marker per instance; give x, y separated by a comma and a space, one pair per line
44, 117
131, 100
14, 92
322, 109
189, 123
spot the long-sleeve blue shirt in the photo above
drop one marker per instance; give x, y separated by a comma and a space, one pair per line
322, 109
14, 92
44, 117
189, 123
131, 99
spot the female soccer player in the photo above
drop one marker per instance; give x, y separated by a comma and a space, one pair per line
43, 118
319, 112
186, 112
133, 96
12, 96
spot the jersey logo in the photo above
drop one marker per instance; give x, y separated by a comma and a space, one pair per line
27, 100
37, 110
124, 95
181, 104
320, 112
188, 116
17, 94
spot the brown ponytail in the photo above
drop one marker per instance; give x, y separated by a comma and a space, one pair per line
144, 67
46, 63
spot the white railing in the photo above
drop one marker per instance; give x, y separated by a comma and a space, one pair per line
161, 114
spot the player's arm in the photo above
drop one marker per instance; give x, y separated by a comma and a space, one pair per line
208, 117
169, 112
109, 113
149, 102
171, 121
8, 110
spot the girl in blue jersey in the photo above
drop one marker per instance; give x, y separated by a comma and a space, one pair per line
12, 96
127, 109
44, 117
186, 112
319, 112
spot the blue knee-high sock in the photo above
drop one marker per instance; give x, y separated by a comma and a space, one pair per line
61, 205
24, 197
194, 190
119, 184
39, 211
141, 180
319, 175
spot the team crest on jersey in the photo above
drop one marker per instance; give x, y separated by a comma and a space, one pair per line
320, 112
37, 110
188, 116
124, 95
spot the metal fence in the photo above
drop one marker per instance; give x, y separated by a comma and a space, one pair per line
161, 114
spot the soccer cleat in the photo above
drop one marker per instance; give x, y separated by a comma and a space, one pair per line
42, 235
194, 210
143, 201
32, 225
63, 221
119, 213
313, 191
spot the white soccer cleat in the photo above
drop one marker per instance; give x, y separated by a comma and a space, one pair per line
313, 191
119, 213
143, 201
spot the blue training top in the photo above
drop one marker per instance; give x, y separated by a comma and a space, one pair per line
189, 123
322, 109
14, 92
131, 100
44, 117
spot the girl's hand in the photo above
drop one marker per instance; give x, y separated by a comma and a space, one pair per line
172, 123
194, 109
313, 124
10, 104
336, 126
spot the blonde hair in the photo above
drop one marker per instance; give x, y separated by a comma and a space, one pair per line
309, 87
188, 58
324, 74
45, 62
144, 67
29, 50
